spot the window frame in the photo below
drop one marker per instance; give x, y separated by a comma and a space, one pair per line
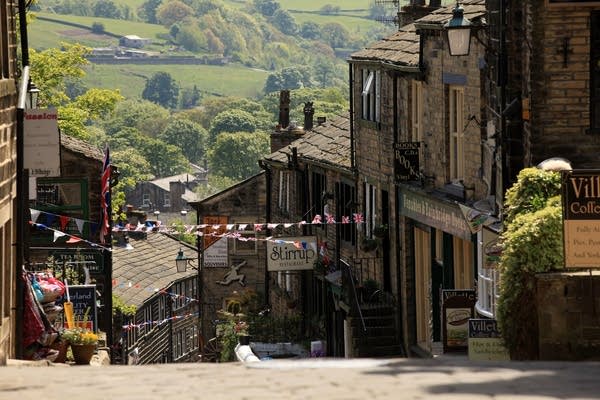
371, 95
456, 134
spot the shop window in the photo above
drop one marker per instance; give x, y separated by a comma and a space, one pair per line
463, 263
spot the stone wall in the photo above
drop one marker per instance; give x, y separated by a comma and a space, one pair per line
560, 84
569, 315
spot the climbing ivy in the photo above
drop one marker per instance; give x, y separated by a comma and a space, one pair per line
532, 243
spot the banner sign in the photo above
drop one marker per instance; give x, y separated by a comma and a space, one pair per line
292, 253
581, 218
217, 221
85, 307
41, 142
485, 341
458, 306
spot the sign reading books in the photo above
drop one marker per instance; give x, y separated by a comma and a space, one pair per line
407, 161
485, 341
292, 253
581, 218
458, 307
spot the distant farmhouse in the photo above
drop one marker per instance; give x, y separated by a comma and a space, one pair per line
134, 41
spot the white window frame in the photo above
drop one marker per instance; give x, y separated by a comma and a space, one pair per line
417, 116
456, 106
488, 279
146, 200
371, 95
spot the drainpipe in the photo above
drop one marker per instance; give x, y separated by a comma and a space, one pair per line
22, 176
351, 100
268, 176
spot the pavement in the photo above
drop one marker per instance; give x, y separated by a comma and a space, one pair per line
331, 379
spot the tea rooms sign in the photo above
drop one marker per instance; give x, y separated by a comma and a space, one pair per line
292, 253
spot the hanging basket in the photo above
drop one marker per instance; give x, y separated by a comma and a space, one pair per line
83, 353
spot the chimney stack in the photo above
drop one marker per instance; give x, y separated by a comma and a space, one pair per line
309, 111
284, 108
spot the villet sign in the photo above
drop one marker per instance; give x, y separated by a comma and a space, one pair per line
581, 218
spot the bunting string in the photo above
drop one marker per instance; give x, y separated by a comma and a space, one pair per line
159, 322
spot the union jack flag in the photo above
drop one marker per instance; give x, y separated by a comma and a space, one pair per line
105, 197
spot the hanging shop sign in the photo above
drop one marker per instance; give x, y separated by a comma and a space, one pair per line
458, 307
485, 341
41, 142
292, 253
438, 214
581, 218
406, 161
211, 235
216, 255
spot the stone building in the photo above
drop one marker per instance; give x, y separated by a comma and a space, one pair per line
9, 203
234, 210
165, 327
419, 157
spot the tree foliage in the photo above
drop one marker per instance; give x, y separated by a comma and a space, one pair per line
170, 12
188, 136
231, 121
165, 159
161, 89
147, 11
531, 244
248, 148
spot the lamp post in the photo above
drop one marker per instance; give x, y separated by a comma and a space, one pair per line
458, 32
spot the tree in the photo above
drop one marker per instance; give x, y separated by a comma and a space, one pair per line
191, 38
285, 22
266, 7
165, 159
310, 30
161, 89
188, 136
98, 27
288, 78
173, 11
107, 9
147, 10
189, 97
231, 121
248, 148
335, 34
51, 68
99, 103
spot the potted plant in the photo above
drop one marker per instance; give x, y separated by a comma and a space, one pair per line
369, 244
241, 330
83, 343
380, 231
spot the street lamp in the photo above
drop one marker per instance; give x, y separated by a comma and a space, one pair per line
458, 32
181, 262
33, 94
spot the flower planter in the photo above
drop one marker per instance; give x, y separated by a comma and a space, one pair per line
244, 340
62, 348
83, 353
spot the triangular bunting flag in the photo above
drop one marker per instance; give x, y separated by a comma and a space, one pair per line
58, 235
63, 221
34, 214
74, 239
79, 223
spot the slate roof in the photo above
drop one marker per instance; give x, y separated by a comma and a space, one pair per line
148, 266
402, 48
188, 194
473, 10
325, 144
79, 146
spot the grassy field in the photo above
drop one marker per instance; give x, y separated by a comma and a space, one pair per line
223, 80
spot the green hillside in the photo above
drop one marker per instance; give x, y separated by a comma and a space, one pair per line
130, 79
